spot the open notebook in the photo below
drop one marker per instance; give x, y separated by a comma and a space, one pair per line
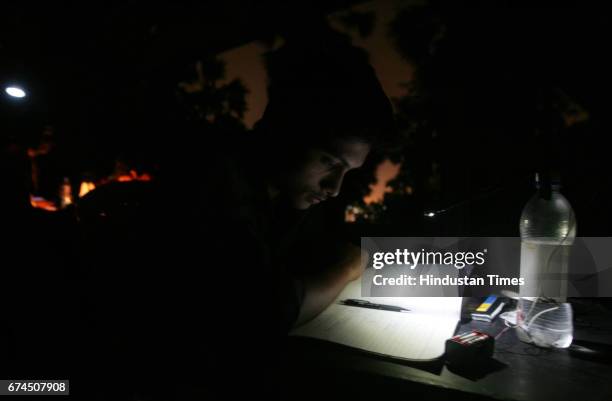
418, 335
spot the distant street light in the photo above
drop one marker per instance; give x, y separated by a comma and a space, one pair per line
15, 91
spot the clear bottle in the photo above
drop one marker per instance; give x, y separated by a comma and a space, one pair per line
548, 230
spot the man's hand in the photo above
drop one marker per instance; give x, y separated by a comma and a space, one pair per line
323, 288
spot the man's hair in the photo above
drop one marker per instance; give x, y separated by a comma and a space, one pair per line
324, 90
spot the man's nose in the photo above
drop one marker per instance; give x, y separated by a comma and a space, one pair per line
332, 184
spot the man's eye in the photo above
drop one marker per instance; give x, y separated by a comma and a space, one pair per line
328, 162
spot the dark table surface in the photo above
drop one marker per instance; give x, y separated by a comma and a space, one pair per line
517, 371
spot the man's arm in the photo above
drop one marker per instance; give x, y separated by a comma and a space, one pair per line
321, 289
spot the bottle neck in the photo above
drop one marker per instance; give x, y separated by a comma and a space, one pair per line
547, 184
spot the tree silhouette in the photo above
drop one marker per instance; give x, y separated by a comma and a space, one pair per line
493, 98
216, 105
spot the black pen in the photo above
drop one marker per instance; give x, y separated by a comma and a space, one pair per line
367, 304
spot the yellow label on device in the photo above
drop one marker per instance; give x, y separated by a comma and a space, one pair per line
486, 304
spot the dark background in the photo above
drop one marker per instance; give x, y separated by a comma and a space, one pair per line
499, 92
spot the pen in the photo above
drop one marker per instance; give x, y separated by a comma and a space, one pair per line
367, 304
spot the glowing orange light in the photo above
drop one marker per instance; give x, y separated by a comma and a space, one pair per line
133, 176
42, 203
86, 186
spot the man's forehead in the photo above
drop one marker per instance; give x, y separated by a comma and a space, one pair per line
350, 151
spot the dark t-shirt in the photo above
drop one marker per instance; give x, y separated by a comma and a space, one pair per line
254, 237
245, 254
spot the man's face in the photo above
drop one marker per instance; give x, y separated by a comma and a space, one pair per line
320, 173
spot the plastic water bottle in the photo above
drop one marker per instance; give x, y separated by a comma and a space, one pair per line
548, 230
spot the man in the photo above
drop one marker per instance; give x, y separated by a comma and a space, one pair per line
225, 276
325, 114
